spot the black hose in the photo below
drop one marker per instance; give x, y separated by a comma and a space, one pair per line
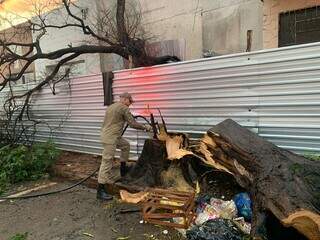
137, 116
49, 193
70, 187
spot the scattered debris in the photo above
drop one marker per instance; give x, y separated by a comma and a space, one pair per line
165, 232
133, 197
150, 236
111, 204
216, 208
242, 225
130, 210
114, 230
88, 234
215, 229
123, 238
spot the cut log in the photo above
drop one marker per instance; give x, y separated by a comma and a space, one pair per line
279, 181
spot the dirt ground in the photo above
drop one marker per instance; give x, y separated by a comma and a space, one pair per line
75, 215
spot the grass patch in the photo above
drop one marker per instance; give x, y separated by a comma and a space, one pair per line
19, 236
313, 157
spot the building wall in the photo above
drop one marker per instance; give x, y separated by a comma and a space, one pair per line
225, 25
175, 20
216, 27
56, 39
271, 11
19, 34
200, 26
162, 21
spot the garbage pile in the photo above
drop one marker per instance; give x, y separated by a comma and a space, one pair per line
218, 219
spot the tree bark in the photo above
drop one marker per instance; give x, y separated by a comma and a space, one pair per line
279, 181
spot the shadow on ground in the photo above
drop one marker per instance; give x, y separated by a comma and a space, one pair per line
75, 215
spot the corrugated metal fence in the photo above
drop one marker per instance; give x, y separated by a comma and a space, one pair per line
74, 115
276, 93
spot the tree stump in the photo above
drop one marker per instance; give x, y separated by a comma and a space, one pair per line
147, 170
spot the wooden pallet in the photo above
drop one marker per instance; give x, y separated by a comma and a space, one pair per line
162, 206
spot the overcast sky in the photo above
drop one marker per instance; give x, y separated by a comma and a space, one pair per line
18, 11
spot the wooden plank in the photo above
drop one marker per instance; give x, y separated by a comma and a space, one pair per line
31, 190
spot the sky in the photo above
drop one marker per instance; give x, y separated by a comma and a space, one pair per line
18, 11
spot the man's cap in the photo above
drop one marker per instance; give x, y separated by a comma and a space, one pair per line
127, 95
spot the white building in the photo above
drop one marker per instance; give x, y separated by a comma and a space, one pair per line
192, 29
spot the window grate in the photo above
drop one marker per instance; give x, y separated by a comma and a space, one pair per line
299, 26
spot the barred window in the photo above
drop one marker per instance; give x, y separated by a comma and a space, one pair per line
299, 26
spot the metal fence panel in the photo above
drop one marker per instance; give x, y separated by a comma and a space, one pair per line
73, 116
273, 92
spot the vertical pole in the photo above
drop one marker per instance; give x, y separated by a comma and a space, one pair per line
249, 40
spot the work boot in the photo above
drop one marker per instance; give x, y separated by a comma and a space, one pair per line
102, 194
123, 169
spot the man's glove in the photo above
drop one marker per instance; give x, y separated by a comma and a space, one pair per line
148, 128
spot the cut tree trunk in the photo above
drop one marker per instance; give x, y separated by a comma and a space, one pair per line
279, 181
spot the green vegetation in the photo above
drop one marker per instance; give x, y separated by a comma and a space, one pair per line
21, 163
314, 157
19, 236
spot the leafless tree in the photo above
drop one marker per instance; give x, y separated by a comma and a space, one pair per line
115, 30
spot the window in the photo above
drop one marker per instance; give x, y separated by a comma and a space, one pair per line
300, 26
75, 68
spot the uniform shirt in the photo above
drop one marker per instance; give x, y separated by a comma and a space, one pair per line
115, 117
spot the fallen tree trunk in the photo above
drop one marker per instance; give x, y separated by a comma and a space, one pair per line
279, 181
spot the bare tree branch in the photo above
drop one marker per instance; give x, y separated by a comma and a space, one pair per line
117, 30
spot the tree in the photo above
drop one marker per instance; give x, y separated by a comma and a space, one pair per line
115, 30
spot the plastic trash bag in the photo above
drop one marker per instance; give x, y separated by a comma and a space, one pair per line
208, 213
224, 209
216, 209
215, 229
243, 203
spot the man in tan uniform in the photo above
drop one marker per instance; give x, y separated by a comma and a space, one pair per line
115, 117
